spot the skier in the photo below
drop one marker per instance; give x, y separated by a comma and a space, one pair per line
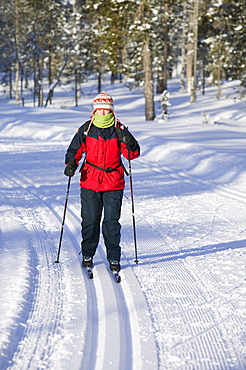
103, 139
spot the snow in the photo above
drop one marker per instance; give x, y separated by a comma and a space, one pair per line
183, 305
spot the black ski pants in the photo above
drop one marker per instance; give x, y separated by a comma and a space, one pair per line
93, 203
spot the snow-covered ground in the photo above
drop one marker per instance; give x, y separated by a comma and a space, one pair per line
183, 305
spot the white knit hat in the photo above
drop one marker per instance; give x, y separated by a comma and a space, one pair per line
103, 101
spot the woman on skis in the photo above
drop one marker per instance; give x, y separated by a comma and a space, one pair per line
102, 140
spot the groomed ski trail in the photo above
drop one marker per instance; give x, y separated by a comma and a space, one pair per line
189, 302
124, 333
43, 329
112, 321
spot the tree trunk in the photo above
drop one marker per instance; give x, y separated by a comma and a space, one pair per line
203, 74
40, 85
218, 95
10, 83
183, 55
26, 80
50, 74
148, 83
99, 85
76, 86
112, 78
195, 27
21, 82
190, 52
34, 82
79, 83
17, 33
17, 76
165, 45
163, 76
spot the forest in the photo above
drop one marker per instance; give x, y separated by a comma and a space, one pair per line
44, 43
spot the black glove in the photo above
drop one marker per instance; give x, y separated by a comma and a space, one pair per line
130, 142
71, 168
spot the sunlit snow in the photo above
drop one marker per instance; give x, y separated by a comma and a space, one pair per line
183, 306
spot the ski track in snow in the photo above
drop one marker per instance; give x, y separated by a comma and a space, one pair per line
195, 295
42, 327
118, 332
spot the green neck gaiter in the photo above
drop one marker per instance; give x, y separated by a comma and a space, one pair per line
105, 121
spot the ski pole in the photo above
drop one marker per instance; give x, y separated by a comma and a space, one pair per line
63, 220
133, 213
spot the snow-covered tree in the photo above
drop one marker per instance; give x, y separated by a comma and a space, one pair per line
140, 57
225, 37
109, 22
142, 39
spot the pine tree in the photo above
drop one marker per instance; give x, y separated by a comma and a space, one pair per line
140, 54
223, 36
109, 21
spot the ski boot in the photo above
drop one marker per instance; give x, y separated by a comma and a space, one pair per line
87, 261
114, 265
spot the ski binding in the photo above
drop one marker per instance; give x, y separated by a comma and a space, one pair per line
116, 275
89, 271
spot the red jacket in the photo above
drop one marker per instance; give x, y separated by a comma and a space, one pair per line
102, 148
